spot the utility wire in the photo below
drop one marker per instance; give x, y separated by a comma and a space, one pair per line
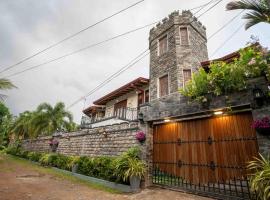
80, 50
197, 7
123, 69
101, 42
228, 39
221, 28
116, 74
70, 36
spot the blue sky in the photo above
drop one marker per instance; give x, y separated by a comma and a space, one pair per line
28, 26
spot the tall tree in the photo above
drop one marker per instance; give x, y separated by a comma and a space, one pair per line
258, 10
23, 127
50, 119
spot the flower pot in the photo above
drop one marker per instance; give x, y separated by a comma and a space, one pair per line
135, 183
263, 131
74, 168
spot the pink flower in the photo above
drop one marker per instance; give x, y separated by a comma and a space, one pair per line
261, 123
140, 136
252, 61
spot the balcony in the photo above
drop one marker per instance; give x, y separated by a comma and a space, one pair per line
118, 116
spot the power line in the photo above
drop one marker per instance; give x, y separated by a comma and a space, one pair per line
122, 69
80, 50
116, 74
197, 7
71, 36
203, 6
101, 42
230, 21
210, 8
228, 39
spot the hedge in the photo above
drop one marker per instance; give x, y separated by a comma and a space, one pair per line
98, 167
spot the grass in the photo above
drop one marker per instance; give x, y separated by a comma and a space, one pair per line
48, 170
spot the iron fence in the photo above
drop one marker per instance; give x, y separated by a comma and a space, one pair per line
231, 189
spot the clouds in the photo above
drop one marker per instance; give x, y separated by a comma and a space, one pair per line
28, 26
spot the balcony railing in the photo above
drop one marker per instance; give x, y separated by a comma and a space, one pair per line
127, 114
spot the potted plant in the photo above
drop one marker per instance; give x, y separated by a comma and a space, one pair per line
262, 126
129, 167
140, 136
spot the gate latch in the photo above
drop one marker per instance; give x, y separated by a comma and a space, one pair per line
209, 140
179, 163
212, 165
179, 141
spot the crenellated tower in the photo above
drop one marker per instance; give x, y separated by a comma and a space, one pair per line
177, 46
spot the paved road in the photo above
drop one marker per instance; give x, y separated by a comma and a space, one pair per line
24, 181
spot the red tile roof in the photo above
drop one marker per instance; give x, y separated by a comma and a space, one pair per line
133, 85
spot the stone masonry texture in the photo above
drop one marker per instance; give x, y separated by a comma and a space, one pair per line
91, 142
178, 57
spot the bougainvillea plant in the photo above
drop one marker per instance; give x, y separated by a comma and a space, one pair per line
53, 144
224, 78
263, 123
140, 136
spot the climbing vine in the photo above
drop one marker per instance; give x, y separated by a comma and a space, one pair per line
224, 78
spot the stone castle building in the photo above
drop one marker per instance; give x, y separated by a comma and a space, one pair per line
177, 47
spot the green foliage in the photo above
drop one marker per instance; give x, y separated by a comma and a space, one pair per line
129, 165
34, 156
260, 178
6, 122
100, 167
117, 169
45, 120
224, 78
257, 10
197, 87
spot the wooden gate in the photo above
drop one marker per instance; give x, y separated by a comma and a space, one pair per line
209, 151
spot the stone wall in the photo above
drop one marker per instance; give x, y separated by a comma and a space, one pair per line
103, 141
263, 140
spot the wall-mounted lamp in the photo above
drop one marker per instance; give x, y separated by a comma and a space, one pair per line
258, 96
105, 134
140, 117
218, 112
167, 120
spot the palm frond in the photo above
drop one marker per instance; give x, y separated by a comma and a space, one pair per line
258, 10
6, 84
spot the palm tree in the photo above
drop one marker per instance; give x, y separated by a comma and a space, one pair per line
50, 119
259, 10
5, 84
23, 127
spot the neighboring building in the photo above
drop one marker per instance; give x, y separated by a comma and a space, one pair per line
121, 105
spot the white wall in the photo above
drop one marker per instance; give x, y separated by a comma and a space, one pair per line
132, 102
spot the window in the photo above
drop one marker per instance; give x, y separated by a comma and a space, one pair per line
184, 35
146, 96
163, 86
186, 75
162, 45
140, 98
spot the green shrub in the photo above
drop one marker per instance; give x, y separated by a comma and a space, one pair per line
34, 156
224, 78
12, 150
129, 164
2, 147
260, 177
60, 161
72, 160
44, 160
24, 154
